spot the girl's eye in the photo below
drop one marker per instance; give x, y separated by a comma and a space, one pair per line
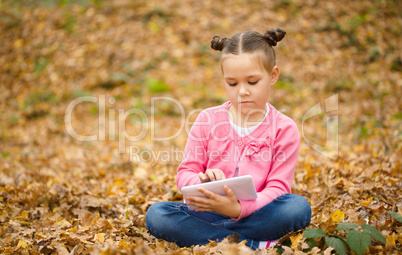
232, 84
252, 83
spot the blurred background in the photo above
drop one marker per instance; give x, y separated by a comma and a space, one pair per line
122, 53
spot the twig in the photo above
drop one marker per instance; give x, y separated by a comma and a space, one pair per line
388, 203
396, 248
382, 200
382, 194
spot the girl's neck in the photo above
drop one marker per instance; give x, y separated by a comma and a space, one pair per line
246, 121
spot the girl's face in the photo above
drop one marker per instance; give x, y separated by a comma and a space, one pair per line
248, 83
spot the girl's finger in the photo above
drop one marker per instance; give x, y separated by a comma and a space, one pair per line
218, 175
203, 177
207, 193
210, 175
201, 200
229, 192
203, 210
201, 204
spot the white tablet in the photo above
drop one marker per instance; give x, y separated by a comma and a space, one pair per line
242, 186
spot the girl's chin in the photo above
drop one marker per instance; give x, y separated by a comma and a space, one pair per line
248, 109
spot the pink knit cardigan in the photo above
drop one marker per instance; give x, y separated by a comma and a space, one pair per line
269, 154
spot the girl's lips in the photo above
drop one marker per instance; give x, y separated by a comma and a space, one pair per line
244, 102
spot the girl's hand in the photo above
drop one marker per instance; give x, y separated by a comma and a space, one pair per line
211, 175
225, 205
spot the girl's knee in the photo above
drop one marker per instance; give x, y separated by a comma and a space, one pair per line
154, 215
299, 209
295, 207
300, 202
161, 219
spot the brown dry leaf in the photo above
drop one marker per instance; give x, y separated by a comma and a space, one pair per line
287, 250
328, 251
61, 249
315, 251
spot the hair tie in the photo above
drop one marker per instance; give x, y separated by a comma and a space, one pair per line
218, 43
273, 36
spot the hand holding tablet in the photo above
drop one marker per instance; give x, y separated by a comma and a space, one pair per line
242, 186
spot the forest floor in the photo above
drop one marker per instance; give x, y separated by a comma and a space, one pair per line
97, 98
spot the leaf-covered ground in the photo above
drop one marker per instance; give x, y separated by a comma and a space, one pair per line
66, 196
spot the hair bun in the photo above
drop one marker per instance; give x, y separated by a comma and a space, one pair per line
218, 43
273, 36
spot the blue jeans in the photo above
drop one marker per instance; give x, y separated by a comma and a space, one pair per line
173, 222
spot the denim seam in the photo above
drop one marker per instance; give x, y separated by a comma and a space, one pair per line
217, 225
197, 217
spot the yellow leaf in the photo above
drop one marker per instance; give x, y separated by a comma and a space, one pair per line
23, 244
74, 229
106, 252
338, 216
110, 193
391, 239
296, 240
119, 182
18, 43
309, 172
99, 237
366, 202
153, 27
123, 244
24, 216
300, 37
41, 25
95, 219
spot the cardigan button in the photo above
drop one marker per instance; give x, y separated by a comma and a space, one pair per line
240, 143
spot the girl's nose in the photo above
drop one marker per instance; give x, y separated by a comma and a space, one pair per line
243, 91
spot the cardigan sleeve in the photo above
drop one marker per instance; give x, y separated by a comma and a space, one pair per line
283, 164
195, 156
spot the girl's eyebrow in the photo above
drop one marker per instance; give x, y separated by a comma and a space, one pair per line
249, 76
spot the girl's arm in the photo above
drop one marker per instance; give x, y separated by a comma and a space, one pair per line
280, 177
195, 153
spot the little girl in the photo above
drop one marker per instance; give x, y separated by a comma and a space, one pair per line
244, 136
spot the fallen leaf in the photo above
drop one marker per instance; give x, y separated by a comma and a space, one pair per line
296, 240
338, 216
287, 250
366, 202
328, 251
99, 237
21, 244
391, 239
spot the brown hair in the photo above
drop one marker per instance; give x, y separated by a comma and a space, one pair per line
251, 42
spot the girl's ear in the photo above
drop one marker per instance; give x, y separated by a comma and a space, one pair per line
274, 75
